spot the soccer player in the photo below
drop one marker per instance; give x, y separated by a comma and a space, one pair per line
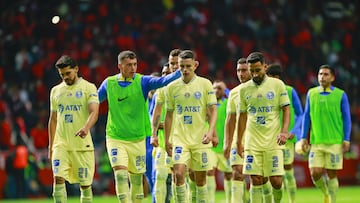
74, 109
194, 102
128, 123
232, 110
296, 112
161, 159
217, 158
327, 111
261, 100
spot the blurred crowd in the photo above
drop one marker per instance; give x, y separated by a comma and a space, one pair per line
301, 35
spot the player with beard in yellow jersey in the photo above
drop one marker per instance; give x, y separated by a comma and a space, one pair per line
261, 100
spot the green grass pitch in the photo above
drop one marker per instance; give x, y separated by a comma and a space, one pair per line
346, 194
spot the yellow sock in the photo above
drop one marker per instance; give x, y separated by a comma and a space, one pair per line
136, 189
267, 191
256, 193
202, 194
122, 185
237, 190
181, 194
192, 194
290, 184
278, 193
86, 195
59, 193
321, 184
211, 187
160, 184
333, 188
227, 190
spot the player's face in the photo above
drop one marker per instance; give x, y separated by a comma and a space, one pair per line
69, 75
128, 67
165, 71
173, 63
219, 88
187, 68
325, 77
258, 71
243, 72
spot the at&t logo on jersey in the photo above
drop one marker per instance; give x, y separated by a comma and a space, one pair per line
179, 109
61, 108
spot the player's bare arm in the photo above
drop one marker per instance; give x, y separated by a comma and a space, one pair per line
93, 117
51, 129
284, 134
167, 130
241, 129
212, 115
155, 121
229, 133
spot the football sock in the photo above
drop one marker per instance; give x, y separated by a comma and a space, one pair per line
122, 185
267, 191
333, 188
160, 184
290, 184
192, 186
321, 184
136, 187
211, 187
59, 193
181, 196
86, 195
227, 190
237, 190
202, 193
256, 193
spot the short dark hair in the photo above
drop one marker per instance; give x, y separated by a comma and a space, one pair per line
175, 52
241, 60
126, 54
255, 57
332, 70
65, 61
187, 54
274, 70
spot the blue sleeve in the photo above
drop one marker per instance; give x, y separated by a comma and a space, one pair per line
345, 110
298, 113
305, 119
102, 91
227, 92
152, 104
149, 82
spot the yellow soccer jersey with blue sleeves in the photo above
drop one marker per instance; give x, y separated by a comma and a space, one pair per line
71, 104
189, 103
263, 104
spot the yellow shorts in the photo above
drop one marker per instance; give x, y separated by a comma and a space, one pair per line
326, 156
217, 160
264, 163
161, 158
289, 153
235, 158
130, 154
74, 166
198, 159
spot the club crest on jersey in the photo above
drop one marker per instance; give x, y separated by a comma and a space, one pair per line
197, 95
270, 95
78, 94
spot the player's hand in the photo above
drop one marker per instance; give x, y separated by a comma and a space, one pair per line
207, 138
82, 133
161, 125
282, 138
227, 152
240, 150
346, 146
291, 136
168, 148
154, 141
215, 140
305, 145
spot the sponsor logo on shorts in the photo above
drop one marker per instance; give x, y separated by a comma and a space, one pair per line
56, 162
249, 158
